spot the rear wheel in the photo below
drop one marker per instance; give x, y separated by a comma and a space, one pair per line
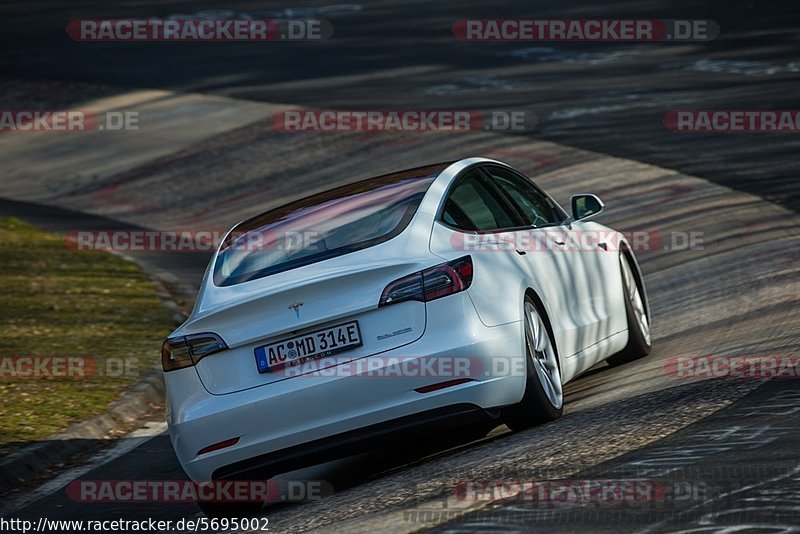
543, 400
639, 342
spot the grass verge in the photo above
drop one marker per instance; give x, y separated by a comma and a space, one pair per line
96, 316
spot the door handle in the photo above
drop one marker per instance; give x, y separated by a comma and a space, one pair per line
520, 252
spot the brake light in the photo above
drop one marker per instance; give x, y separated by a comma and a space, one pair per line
432, 283
185, 351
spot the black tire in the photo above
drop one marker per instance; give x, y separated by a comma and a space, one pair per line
638, 344
535, 407
230, 509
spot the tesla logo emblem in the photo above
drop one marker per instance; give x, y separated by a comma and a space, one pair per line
296, 308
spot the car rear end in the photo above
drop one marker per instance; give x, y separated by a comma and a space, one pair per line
351, 332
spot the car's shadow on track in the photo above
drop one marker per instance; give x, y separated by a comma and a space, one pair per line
339, 475
321, 480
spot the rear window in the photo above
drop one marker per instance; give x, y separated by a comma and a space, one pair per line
323, 226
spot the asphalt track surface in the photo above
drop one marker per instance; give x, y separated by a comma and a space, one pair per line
608, 97
737, 295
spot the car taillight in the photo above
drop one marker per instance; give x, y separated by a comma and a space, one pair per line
432, 283
185, 351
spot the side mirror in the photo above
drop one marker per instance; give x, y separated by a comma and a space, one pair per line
585, 206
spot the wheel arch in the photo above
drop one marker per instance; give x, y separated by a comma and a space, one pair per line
625, 250
530, 292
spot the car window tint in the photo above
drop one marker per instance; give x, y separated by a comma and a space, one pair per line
534, 206
472, 205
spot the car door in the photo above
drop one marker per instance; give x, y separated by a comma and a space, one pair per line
477, 218
558, 257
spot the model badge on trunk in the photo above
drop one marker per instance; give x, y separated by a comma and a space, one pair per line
296, 308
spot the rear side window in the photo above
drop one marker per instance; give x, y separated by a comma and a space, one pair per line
473, 205
323, 226
533, 205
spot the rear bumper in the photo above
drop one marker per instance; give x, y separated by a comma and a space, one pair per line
416, 426
312, 418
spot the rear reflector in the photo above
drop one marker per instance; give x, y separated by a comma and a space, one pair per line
432, 283
442, 385
218, 446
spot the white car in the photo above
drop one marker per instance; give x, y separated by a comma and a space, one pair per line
437, 297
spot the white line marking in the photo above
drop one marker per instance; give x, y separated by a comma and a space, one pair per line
124, 446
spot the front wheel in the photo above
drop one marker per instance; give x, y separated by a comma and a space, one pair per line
543, 400
639, 342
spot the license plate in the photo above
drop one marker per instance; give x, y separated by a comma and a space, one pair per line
313, 345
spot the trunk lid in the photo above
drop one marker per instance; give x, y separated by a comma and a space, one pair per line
289, 305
